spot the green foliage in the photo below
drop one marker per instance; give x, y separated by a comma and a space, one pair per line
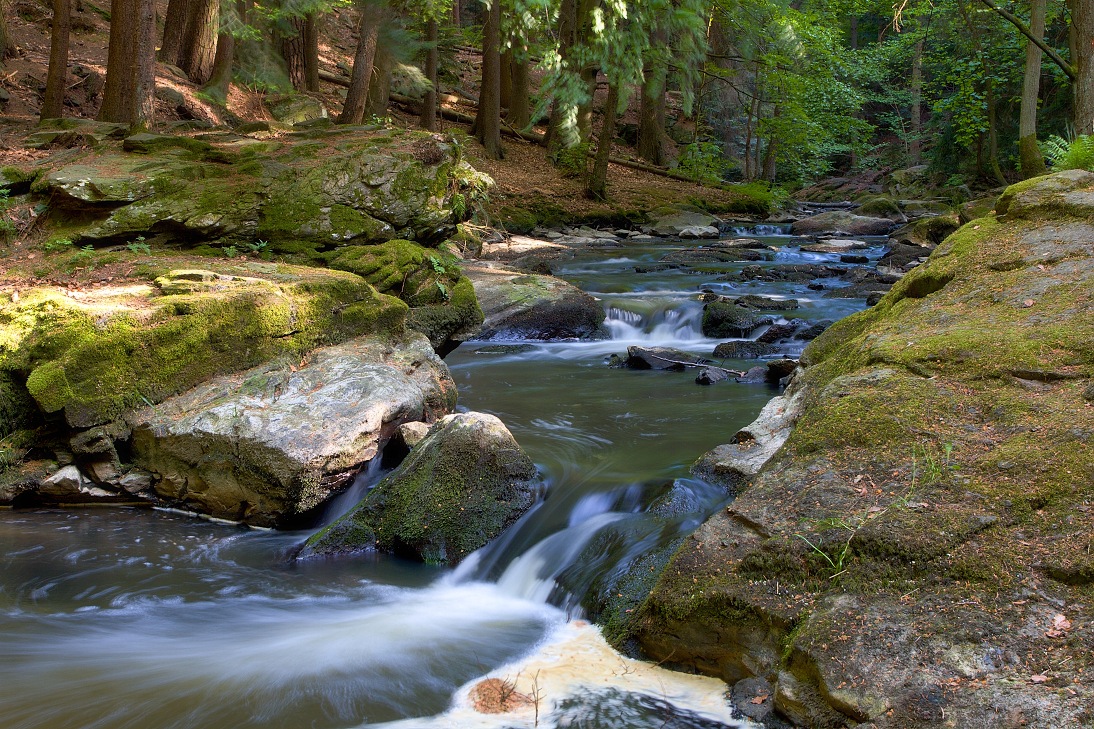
54, 245
1078, 154
573, 161
703, 162
139, 246
229, 251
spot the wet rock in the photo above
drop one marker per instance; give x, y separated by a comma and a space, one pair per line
777, 333
900, 255
662, 358
673, 224
530, 306
812, 331
728, 320
714, 255
753, 697
766, 303
699, 231
843, 222
460, 487
858, 260
268, 444
780, 368
834, 245
713, 375
743, 349
754, 376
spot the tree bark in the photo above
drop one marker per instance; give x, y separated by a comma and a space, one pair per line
1082, 28
221, 77
597, 186
1029, 154
488, 120
174, 28
457, 13
506, 78
199, 43
54, 102
379, 86
520, 113
293, 51
652, 139
368, 29
130, 67
915, 141
428, 118
311, 52
567, 38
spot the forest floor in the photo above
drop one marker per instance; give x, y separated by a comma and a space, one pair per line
528, 187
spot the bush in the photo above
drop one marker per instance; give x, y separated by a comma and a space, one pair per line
1078, 154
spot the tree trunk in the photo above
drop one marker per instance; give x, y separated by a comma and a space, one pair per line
130, 67
520, 114
379, 86
174, 28
567, 38
221, 77
597, 186
311, 52
457, 13
54, 102
652, 139
1029, 154
506, 77
428, 118
199, 43
293, 51
1082, 59
588, 75
915, 143
488, 119
368, 29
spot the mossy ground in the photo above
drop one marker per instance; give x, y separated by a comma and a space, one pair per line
941, 480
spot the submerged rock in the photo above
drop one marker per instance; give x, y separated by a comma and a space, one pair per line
268, 444
459, 488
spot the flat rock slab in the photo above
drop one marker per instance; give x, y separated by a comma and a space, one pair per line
519, 306
268, 444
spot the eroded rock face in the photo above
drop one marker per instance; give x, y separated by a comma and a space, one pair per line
460, 487
533, 306
924, 525
268, 444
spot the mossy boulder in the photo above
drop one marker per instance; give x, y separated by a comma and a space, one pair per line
266, 445
518, 305
442, 301
925, 522
296, 194
94, 356
459, 488
726, 319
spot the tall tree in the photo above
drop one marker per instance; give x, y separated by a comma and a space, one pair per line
53, 103
1029, 154
130, 67
428, 118
199, 40
596, 186
368, 30
652, 138
488, 120
1082, 35
299, 46
174, 27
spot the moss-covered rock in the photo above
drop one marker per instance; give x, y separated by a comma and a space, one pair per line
442, 300
265, 445
96, 356
319, 192
460, 487
726, 319
929, 500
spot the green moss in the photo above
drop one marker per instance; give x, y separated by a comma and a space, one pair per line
94, 361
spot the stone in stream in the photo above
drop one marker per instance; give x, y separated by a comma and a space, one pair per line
459, 488
766, 303
266, 445
662, 358
743, 349
843, 222
714, 255
531, 306
777, 333
673, 224
721, 319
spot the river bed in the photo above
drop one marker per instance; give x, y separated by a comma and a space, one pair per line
132, 618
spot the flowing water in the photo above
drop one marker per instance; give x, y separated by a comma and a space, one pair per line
131, 618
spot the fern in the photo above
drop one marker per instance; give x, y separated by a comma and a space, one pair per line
1078, 154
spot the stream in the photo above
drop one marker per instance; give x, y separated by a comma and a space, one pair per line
127, 618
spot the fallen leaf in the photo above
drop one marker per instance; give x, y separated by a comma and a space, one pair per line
1028, 303
1060, 622
1055, 633
759, 699
1038, 678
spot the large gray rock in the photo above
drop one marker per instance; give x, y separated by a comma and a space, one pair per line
531, 306
287, 194
674, 224
460, 487
266, 445
842, 221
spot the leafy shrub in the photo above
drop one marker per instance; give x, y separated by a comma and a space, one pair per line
1078, 154
704, 162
